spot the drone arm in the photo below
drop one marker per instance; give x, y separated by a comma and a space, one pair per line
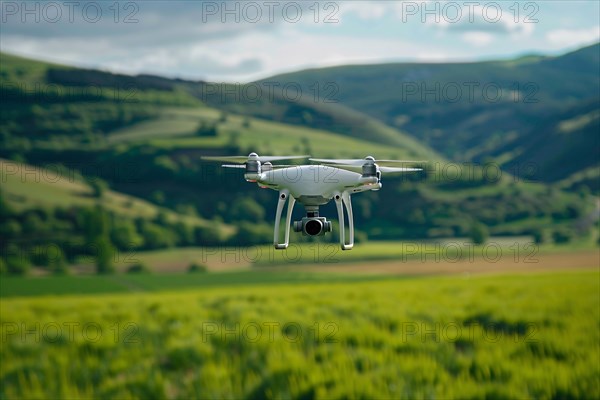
283, 197
345, 199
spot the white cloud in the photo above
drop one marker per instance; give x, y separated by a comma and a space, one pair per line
364, 10
193, 61
478, 38
478, 18
174, 40
573, 37
294, 50
429, 56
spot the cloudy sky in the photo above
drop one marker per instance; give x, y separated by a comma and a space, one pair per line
239, 41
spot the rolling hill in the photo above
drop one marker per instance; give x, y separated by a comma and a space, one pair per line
25, 187
141, 98
143, 136
510, 112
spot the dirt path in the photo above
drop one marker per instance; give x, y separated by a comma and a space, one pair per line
539, 262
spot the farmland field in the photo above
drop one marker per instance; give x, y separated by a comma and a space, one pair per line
478, 336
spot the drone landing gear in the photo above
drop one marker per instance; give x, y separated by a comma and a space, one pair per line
339, 199
283, 197
318, 226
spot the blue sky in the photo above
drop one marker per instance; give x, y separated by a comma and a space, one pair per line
238, 41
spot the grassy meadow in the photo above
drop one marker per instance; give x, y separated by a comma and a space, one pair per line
176, 128
529, 335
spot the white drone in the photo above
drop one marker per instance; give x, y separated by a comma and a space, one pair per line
313, 186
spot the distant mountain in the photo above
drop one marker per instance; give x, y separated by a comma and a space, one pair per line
511, 112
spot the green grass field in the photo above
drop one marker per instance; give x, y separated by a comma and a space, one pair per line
74, 285
174, 128
510, 336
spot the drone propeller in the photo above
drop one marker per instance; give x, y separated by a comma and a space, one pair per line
242, 166
252, 157
388, 170
385, 170
361, 161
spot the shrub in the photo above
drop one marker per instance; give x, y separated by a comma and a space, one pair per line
157, 237
104, 259
98, 186
209, 235
60, 269
139, 268
207, 130
251, 233
539, 236
478, 233
57, 262
195, 267
562, 236
17, 265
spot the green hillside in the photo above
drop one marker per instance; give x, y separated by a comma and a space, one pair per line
107, 101
484, 111
134, 145
333, 117
25, 187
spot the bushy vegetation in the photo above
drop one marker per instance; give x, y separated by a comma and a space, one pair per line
197, 268
478, 233
139, 268
486, 337
53, 238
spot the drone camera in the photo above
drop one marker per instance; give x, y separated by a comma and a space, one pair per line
313, 226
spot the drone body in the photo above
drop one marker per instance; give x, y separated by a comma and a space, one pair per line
313, 186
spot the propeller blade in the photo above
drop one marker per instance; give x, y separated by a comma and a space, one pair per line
402, 161
278, 158
233, 166
243, 159
235, 159
242, 166
396, 169
360, 161
357, 168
